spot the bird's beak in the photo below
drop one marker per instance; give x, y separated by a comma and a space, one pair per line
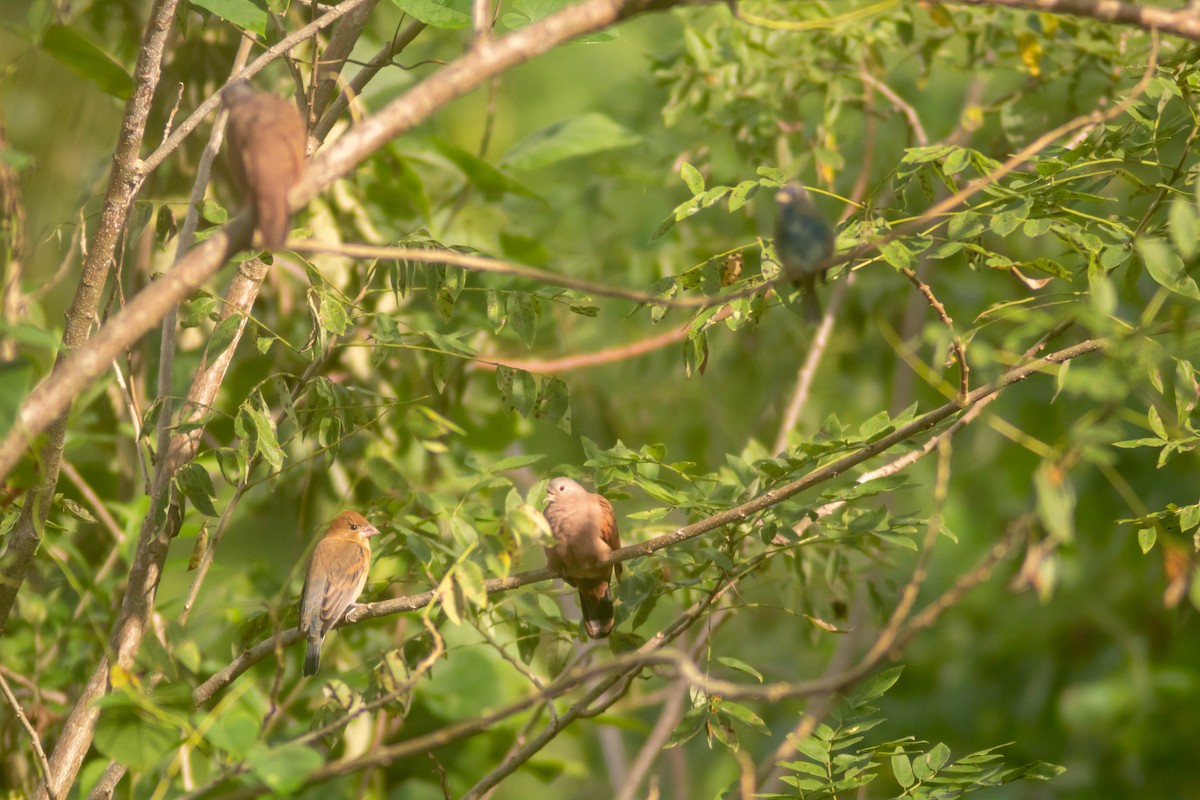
370, 531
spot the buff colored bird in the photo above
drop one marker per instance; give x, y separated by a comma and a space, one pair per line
803, 243
585, 532
266, 144
336, 574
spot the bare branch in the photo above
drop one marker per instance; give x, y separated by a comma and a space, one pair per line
154, 539
812, 360
741, 513
145, 311
281, 47
1183, 22
960, 352
43, 765
123, 185
496, 266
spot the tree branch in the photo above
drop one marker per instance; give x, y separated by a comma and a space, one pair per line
154, 540
145, 311
1183, 22
36, 743
123, 185
203, 693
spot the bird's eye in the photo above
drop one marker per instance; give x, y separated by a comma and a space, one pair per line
353, 526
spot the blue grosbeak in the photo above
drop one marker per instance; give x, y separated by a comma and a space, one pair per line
266, 144
585, 532
336, 574
803, 243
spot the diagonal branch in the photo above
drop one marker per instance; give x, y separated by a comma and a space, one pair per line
741, 513
123, 185
153, 543
1183, 22
35, 742
145, 311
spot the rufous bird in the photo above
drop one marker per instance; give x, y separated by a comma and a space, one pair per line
265, 148
336, 575
803, 243
585, 533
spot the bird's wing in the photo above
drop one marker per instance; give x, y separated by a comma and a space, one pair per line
608, 527
335, 580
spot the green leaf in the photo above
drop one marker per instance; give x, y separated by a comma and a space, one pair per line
902, 769
1189, 517
283, 769
958, 160
1165, 266
554, 404
81, 55
692, 178
194, 481
483, 176
897, 254
1055, 501
221, 337
740, 666
447, 14
1146, 539
583, 135
938, 757
518, 390
876, 687
470, 579
242, 13
265, 442
234, 732
1183, 223
134, 739
16, 378
1156, 423
331, 314
523, 315
745, 716
692, 723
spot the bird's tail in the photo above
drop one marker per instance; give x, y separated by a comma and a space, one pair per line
312, 657
596, 602
810, 306
272, 208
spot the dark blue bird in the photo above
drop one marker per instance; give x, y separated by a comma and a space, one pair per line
803, 244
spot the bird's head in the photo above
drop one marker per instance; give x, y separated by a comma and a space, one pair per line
351, 524
562, 487
237, 92
793, 194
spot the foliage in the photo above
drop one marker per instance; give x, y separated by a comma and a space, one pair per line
1004, 546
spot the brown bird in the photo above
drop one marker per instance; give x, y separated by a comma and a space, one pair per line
585, 532
336, 574
266, 154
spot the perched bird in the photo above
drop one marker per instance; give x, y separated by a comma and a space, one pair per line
266, 144
335, 577
585, 532
803, 243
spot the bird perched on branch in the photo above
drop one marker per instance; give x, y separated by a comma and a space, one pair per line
803, 243
336, 574
585, 533
265, 148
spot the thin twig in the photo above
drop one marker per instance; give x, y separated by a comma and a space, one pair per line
499, 267
960, 352
730, 516
905, 108
43, 764
812, 360
160, 154
1183, 22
